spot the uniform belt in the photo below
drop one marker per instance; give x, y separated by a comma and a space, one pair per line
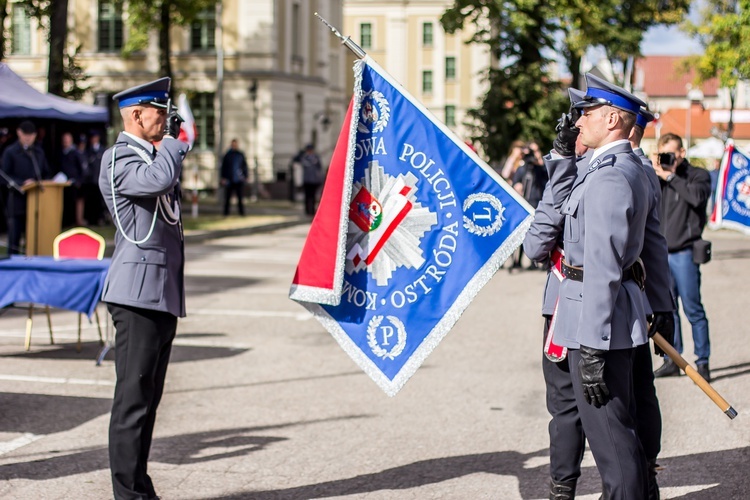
576, 273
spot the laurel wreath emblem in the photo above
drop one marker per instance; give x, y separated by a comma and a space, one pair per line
372, 341
496, 224
384, 111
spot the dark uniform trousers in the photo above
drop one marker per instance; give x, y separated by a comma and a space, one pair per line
612, 428
646, 403
143, 343
566, 439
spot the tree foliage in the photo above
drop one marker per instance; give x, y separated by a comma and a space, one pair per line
147, 16
523, 99
3, 15
724, 33
53, 17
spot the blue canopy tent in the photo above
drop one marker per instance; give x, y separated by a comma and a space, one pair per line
18, 99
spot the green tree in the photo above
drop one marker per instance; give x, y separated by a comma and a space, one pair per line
522, 101
53, 16
724, 33
145, 16
3, 15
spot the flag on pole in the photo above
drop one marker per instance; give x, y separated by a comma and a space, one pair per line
188, 129
732, 203
411, 225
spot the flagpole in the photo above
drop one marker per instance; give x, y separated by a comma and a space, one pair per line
345, 40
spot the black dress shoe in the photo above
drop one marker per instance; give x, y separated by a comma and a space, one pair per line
668, 369
704, 372
564, 490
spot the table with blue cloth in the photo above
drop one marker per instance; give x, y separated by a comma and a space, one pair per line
72, 284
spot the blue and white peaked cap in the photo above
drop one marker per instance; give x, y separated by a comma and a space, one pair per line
155, 93
644, 117
575, 96
600, 92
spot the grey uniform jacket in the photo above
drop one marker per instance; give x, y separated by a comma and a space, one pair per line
544, 235
605, 210
148, 275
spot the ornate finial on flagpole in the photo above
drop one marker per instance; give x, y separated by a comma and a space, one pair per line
345, 40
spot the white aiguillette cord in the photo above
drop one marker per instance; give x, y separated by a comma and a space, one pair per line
171, 217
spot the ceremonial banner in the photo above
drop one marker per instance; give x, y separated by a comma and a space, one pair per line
188, 129
411, 225
732, 206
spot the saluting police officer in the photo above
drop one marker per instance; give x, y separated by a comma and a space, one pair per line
144, 290
602, 309
567, 441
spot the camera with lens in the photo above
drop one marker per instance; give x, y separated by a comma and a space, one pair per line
667, 159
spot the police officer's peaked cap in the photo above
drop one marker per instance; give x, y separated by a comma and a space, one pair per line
601, 92
575, 95
155, 93
644, 117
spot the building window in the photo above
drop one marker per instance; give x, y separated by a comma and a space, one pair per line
110, 26
296, 52
203, 112
450, 68
450, 115
203, 31
365, 35
21, 31
427, 34
427, 82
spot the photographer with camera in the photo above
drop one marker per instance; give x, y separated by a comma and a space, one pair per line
685, 191
145, 286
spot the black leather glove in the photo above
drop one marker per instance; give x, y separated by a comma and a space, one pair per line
662, 322
172, 126
591, 368
567, 133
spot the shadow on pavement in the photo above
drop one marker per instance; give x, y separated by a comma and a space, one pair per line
176, 450
43, 414
90, 350
691, 470
731, 254
197, 285
722, 372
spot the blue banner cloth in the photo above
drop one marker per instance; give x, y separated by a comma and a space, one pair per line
732, 207
73, 284
425, 225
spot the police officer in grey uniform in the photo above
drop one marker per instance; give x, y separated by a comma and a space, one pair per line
602, 309
567, 440
144, 290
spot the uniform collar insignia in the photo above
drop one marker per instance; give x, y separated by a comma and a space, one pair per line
606, 161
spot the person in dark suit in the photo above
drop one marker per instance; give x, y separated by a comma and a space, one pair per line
23, 163
144, 289
603, 307
234, 176
93, 202
72, 164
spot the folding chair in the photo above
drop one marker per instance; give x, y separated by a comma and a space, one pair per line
78, 243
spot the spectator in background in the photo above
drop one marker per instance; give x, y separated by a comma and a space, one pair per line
234, 176
514, 160
685, 191
72, 165
92, 196
530, 179
4, 140
312, 176
24, 163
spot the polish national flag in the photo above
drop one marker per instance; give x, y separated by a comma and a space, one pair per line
188, 130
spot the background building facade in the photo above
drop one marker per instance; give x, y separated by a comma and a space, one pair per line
408, 41
277, 59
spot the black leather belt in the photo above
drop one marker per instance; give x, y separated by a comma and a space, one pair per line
576, 273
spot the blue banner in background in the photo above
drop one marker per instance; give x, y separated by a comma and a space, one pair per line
732, 206
429, 223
